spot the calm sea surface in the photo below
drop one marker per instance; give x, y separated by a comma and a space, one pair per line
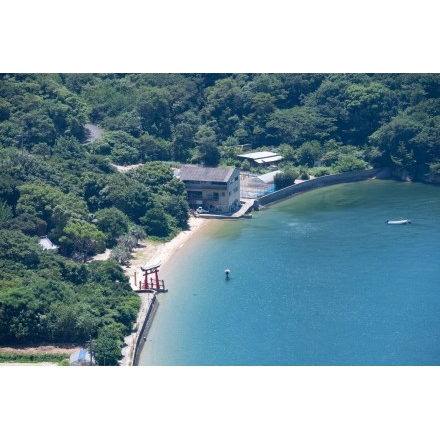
318, 279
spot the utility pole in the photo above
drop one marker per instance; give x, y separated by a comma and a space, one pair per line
91, 352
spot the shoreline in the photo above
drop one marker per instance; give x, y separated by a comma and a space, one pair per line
147, 254
152, 253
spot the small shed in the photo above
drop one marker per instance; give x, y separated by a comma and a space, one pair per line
46, 244
261, 157
268, 178
81, 358
254, 186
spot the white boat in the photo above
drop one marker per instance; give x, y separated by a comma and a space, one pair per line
398, 222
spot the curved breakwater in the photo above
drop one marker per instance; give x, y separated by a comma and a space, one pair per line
333, 179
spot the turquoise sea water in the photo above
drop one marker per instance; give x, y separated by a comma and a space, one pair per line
317, 279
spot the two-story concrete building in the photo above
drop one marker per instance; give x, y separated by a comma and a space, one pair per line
216, 190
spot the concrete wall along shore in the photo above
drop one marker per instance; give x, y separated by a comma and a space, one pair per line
333, 179
143, 333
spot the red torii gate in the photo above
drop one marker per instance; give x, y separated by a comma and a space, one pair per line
154, 283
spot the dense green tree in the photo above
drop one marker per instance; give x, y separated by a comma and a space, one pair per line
85, 238
8, 186
224, 104
113, 222
367, 106
106, 99
5, 109
126, 194
50, 205
308, 153
172, 197
391, 136
208, 151
347, 163
28, 224
285, 178
153, 148
62, 320
127, 241
19, 315
127, 121
138, 232
183, 141
19, 250
154, 109
152, 174
5, 212
122, 148
156, 222
288, 153
120, 254
434, 172
298, 125
107, 273
246, 165
107, 347
125, 155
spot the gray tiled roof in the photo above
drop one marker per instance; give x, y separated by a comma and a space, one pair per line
191, 172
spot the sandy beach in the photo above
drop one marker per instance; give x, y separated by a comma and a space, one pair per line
148, 254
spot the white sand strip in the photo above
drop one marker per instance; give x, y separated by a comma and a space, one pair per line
147, 255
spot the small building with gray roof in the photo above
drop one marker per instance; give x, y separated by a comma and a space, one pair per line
216, 190
261, 157
46, 244
81, 358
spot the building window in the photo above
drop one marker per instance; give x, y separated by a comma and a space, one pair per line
195, 194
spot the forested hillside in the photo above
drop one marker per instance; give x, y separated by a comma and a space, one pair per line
54, 181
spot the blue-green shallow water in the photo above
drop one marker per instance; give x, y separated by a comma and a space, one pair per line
318, 279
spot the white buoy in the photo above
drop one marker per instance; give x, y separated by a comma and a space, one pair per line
227, 272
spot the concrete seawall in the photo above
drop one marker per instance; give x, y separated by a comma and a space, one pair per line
352, 176
143, 333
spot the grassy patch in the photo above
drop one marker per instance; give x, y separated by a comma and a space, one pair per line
33, 358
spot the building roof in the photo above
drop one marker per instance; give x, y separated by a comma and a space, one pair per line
81, 356
269, 159
269, 177
47, 244
257, 155
204, 174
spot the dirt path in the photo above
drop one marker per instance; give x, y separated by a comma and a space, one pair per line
65, 349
